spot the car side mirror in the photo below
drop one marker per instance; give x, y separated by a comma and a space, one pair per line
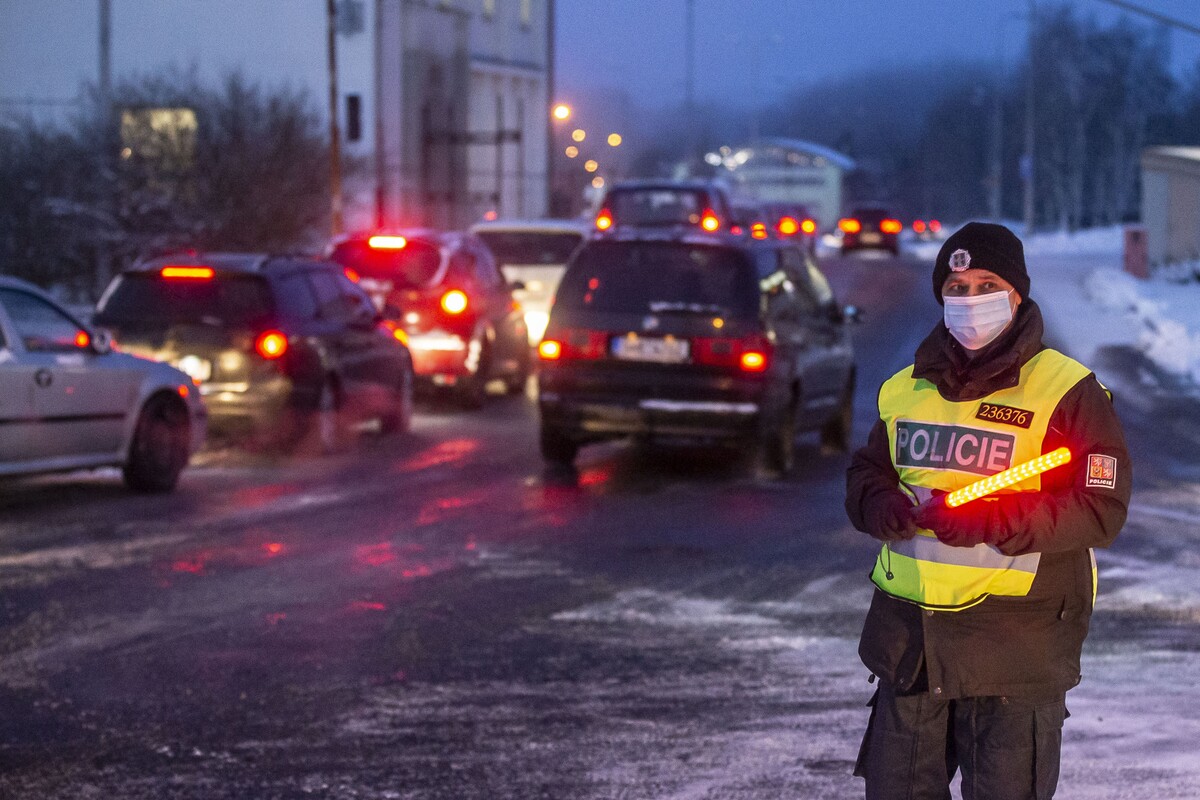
101, 342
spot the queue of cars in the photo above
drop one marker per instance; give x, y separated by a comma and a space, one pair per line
676, 314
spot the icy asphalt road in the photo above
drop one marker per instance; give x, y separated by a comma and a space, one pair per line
436, 617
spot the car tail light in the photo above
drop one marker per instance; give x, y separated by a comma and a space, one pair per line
809, 226
748, 353
788, 226
758, 230
271, 345
454, 301
573, 343
891, 226
395, 331
387, 242
351, 275
918, 226
187, 273
82, 339
849, 225
934, 226
604, 220
709, 221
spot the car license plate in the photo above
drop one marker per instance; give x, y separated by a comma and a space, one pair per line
662, 350
871, 238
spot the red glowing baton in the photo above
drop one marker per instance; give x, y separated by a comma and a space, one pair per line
994, 483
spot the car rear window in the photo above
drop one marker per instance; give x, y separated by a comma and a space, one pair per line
655, 206
870, 214
530, 247
660, 277
222, 300
413, 266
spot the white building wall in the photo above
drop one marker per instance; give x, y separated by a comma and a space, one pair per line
49, 49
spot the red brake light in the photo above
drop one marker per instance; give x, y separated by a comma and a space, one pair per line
934, 225
351, 274
454, 301
849, 225
604, 220
82, 339
891, 226
188, 273
573, 343
918, 226
758, 230
809, 226
788, 226
750, 353
271, 345
387, 242
709, 221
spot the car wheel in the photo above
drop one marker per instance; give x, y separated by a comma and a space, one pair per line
398, 419
558, 449
835, 434
777, 447
160, 447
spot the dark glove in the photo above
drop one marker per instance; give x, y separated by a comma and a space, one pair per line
889, 517
966, 526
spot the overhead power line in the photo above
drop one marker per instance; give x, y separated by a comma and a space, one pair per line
1163, 18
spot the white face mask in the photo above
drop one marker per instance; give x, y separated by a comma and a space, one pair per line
977, 321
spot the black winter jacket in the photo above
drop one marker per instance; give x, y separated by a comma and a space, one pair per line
1017, 646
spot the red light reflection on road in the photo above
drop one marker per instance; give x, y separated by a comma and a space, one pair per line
451, 451
365, 605
596, 476
276, 618
375, 555
195, 565
273, 548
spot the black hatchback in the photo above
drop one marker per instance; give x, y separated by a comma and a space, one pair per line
706, 339
286, 350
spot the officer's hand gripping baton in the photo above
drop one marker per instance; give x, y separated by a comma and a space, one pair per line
994, 483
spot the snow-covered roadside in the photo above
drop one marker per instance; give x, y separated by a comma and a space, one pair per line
1090, 303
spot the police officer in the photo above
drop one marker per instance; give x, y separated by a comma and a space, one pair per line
980, 611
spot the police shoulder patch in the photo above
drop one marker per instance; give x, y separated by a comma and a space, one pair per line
1101, 471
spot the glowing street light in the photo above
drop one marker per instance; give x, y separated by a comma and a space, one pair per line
571, 151
614, 140
561, 112
597, 182
590, 165
578, 134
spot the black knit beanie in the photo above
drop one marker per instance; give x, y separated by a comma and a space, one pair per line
982, 245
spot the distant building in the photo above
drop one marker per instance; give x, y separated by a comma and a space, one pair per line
788, 170
1171, 203
442, 104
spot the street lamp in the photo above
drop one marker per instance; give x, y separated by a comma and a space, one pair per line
578, 134
614, 140
561, 112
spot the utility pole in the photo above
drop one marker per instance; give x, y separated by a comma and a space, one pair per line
1028, 169
689, 79
380, 145
335, 137
547, 118
105, 66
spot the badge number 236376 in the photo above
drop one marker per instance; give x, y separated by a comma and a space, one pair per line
1006, 415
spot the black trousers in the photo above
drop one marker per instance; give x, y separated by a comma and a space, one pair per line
1007, 747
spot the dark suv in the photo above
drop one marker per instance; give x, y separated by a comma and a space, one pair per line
463, 324
284, 348
698, 204
711, 339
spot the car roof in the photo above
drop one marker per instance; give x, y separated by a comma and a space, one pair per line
533, 226
441, 238
250, 263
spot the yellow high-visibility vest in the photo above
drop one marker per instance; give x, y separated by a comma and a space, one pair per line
938, 444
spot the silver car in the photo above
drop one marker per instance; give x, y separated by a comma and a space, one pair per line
69, 401
535, 254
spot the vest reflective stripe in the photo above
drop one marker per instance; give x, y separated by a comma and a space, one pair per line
938, 444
